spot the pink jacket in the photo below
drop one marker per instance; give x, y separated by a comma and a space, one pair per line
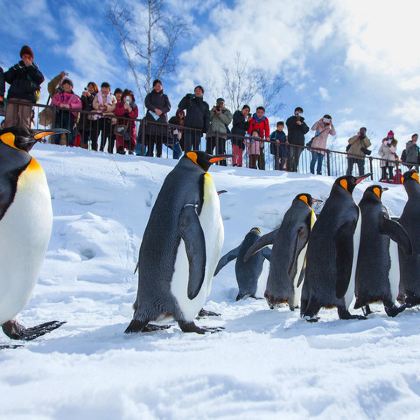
320, 141
70, 99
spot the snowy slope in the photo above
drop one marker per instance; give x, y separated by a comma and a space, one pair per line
265, 364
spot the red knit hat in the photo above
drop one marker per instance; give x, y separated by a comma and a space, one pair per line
26, 49
390, 133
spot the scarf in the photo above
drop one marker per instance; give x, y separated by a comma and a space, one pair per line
101, 99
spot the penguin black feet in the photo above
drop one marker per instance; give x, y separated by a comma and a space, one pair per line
366, 310
411, 301
144, 327
190, 327
203, 313
311, 318
16, 331
394, 310
346, 315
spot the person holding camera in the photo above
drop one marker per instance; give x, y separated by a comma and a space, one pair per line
158, 106
388, 152
197, 120
357, 149
239, 129
88, 123
318, 144
220, 118
296, 130
25, 81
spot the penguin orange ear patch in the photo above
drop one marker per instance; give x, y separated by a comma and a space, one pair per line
9, 139
344, 184
377, 192
415, 176
193, 157
304, 199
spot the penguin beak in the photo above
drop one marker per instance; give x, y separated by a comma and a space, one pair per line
40, 134
317, 200
216, 159
385, 189
359, 179
221, 192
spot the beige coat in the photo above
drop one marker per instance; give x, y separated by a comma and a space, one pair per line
389, 153
356, 146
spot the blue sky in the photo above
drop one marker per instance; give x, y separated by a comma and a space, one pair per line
353, 59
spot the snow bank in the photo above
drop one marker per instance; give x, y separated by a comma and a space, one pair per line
265, 364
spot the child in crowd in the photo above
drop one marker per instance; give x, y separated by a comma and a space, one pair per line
253, 148
279, 147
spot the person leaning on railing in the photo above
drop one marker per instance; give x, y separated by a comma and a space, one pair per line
66, 103
411, 154
125, 128
88, 123
260, 123
176, 133
239, 129
279, 147
388, 152
323, 128
357, 149
25, 81
104, 102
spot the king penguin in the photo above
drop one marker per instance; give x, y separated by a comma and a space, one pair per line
25, 227
247, 273
378, 269
332, 253
180, 248
410, 220
287, 263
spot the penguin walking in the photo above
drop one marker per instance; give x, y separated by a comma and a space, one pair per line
25, 227
180, 248
378, 269
287, 263
247, 273
332, 253
410, 220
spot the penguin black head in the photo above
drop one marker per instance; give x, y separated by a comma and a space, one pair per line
412, 175
348, 182
256, 230
203, 159
374, 192
307, 199
23, 139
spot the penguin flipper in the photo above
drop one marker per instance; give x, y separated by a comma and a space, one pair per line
397, 233
195, 246
264, 241
344, 255
227, 258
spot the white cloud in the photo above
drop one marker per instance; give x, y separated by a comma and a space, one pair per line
323, 93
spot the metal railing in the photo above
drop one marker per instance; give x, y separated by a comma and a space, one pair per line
96, 131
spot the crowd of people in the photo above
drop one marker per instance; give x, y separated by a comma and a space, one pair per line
106, 120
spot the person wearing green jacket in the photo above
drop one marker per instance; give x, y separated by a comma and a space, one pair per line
220, 118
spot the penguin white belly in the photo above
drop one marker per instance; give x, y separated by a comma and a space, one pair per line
348, 297
301, 262
212, 225
394, 271
25, 230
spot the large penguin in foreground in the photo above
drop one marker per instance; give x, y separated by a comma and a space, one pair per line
378, 268
247, 273
287, 263
410, 219
332, 253
25, 227
180, 248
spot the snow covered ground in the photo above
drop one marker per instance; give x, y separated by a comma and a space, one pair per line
266, 364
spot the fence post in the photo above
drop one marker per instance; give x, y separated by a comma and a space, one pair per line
143, 135
328, 163
371, 167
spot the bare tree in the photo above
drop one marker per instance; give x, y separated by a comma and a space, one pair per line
149, 44
244, 83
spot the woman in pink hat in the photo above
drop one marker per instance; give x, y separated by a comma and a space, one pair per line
388, 152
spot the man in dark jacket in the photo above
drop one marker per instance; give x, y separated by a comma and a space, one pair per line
239, 129
2, 89
411, 154
197, 120
158, 106
296, 130
25, 81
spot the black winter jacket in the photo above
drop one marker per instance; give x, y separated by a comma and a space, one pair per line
2, 87
24, 81
198, 112
160, 101
296, 133
239, 128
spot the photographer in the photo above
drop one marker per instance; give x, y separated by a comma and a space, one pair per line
25, 81
388, 152
357, 149
220, 118
296, 130
88, 123
323, 128
197, 119
125, 129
